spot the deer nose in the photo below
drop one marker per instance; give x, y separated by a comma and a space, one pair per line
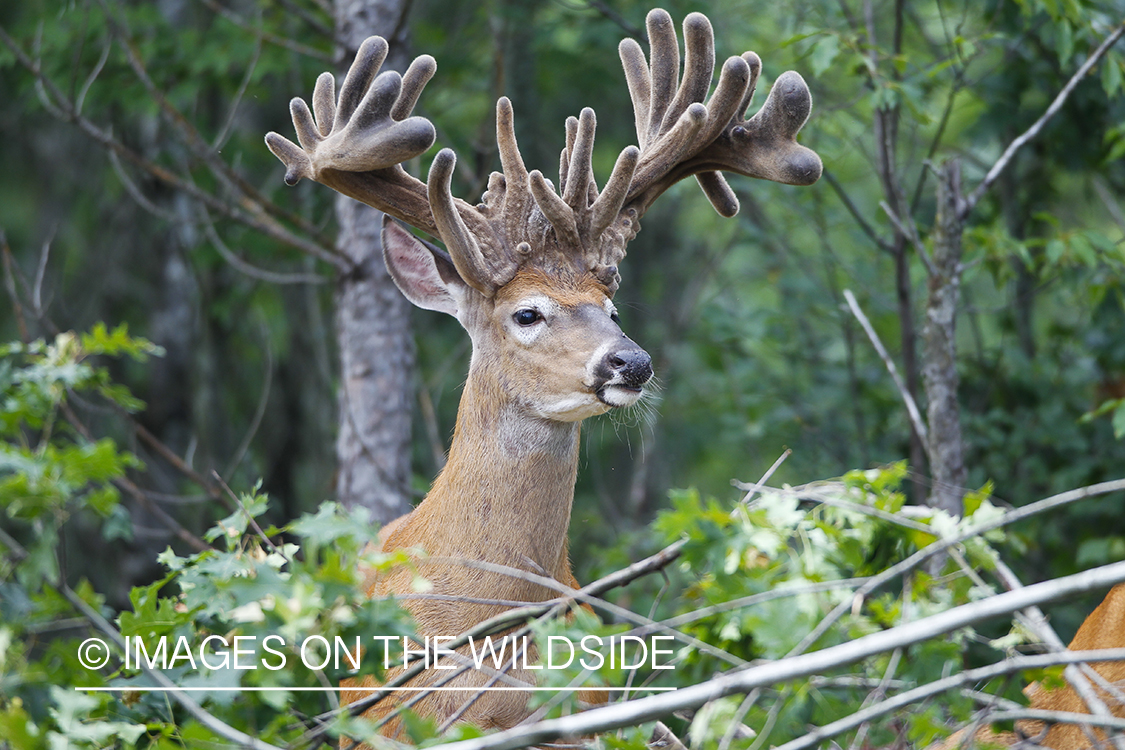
633, 366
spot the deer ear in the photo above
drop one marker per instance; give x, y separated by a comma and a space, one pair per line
421, 271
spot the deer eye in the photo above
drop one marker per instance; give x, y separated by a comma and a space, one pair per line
527, 316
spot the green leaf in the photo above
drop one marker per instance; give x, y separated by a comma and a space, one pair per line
1111, 75
1119, 421
1064, 42
824, 53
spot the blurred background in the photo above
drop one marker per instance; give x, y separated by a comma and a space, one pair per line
135, 188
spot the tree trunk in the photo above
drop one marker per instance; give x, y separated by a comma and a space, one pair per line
939, 368
372, 317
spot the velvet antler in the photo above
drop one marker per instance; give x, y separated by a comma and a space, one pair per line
356, 146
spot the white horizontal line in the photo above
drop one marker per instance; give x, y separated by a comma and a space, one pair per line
366, 689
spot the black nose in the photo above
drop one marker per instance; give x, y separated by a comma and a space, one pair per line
633, 366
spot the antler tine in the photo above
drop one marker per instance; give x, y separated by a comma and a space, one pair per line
419, 73
719, 193
765, 146
755, 64
557, 210
367, 62
640, 86
308, 135
608, 205
579, 174
699, 66
665, 69
672, 148
511, 161
324, 102
713, 184
356, 143
485, 273
681, 137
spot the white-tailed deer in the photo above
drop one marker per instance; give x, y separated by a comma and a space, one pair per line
1103, 629
530, 273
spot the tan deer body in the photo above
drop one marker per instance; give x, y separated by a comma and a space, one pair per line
1103, 629
530, 274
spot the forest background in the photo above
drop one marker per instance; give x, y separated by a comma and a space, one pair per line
136, 191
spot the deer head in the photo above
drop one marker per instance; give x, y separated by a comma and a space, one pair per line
531, 270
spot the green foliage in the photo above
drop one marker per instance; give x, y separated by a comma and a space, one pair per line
775, 553
205, 606
48, 472
743, 317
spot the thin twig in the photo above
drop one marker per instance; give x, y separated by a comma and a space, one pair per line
249, 518
259, 411
238, 264
940, 546
236, 100
10, 285
911, 406
136, 492
1001, 163
498, 624
192, 138
40, 275
755, 488
135, 192
593, 601
260, 221
880, 242
909, 230
264, 36
968, 677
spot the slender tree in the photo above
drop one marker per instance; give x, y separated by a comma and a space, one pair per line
372, 317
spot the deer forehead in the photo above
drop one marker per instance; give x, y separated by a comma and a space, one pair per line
568, 292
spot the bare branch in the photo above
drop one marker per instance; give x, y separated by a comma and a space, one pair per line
10, 285
259, 412
265, 36
909, 230
500, 623
742, 681
192, 137
1035, 620
620, 612
911, 406
81, 98
755, 488
136, 492
1001, 163
880, 242
942, 545
968, 677
261, 274
236, 100
258, 220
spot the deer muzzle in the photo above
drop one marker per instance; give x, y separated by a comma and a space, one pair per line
623, 371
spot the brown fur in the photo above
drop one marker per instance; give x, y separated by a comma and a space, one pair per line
504, 496
1104, 628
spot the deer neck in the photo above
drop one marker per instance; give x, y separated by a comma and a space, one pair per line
506, 492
